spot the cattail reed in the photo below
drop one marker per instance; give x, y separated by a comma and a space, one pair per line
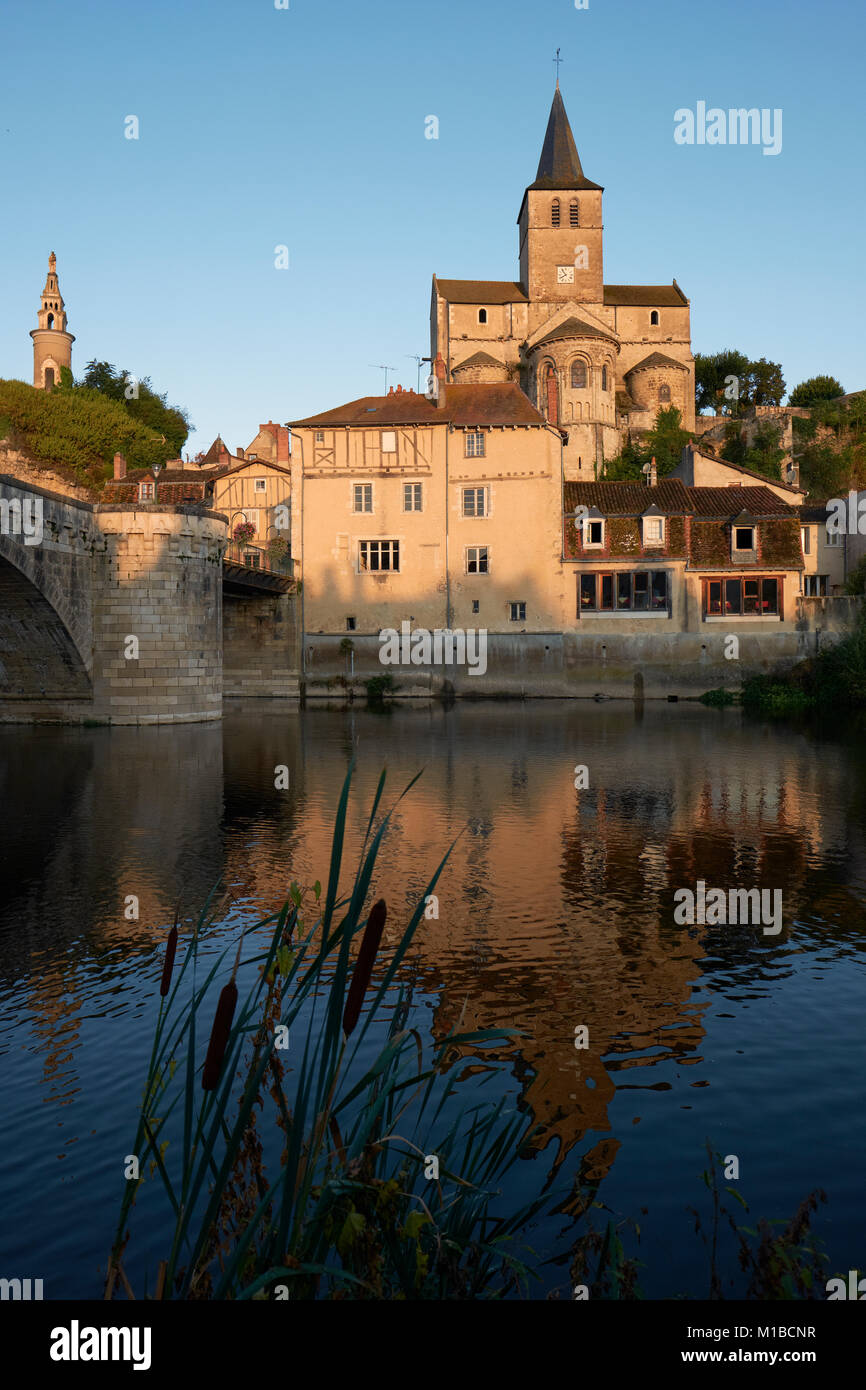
222, 1027
364, 965
169, 961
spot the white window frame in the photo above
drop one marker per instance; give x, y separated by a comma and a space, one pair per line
260, 484
476, 550
478, 450
320, 437
146, 492
517, 604
744, 549
362, 510
413, 508
653, 521
475, 515
806, 539
390, 541
833, 538
593, 521
389, 441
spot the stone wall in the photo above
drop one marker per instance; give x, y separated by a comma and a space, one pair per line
158, 581
565, 665
261, 651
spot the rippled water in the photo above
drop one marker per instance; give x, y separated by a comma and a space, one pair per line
556, 910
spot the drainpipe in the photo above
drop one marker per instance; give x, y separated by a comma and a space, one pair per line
447, 533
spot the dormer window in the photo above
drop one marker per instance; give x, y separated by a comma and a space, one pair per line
744, 537
145, 492
593, 534
554, 213
482, 315
654, 318
653, 530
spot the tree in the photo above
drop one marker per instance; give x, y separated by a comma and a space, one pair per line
817, 388
141, 401
664, 442
761, 452
728, 381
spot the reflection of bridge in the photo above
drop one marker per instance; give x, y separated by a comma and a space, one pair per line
117, 614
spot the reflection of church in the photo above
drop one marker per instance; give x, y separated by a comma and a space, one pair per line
599, 360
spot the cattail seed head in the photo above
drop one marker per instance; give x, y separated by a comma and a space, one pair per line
169, 962
364, 965
222, 1026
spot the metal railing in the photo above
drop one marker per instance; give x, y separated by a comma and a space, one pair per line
258, 557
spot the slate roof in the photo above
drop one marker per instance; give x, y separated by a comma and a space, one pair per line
559, 165
647, 296
481, 291
499, 403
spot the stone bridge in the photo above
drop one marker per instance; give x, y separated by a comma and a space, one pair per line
119, 616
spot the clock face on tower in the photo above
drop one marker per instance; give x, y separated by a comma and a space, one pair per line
565, 274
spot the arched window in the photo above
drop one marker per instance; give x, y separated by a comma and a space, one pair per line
604, 378
554, 213
49, 378
578, 376
654, 316
50, 321
664, 393
574, 213
482, 315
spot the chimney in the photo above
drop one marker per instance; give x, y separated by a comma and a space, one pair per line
653, 476
282, 444
239, 453
119, 466
439, 367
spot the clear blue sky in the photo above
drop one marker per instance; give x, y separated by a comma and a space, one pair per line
305, 127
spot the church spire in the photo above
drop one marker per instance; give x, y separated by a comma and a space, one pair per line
559, 166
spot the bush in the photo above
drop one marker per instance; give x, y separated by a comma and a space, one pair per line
378, 687
77, 432
717, 698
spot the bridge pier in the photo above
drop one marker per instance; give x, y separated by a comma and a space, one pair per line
157, 619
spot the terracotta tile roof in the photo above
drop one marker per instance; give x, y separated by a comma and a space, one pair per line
656, 359
166, 475
478, 359
574, 328
481, 291
559, 165
649, 296
672, 497
214, 452
499, 403
727, 502
629, 499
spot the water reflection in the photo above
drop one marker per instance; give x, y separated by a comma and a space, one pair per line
555, 912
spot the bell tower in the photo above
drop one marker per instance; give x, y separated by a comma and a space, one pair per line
561, 223
52, 345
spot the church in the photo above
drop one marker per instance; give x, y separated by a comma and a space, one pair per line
598, 361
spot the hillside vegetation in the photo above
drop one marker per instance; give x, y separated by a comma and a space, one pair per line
77, 432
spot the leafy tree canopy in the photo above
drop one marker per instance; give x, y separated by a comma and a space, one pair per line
664, 442
728, 381
817, 388
139, 398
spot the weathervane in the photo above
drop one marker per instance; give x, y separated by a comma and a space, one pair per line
557, 60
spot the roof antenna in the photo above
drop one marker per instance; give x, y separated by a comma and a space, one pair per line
382, 368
